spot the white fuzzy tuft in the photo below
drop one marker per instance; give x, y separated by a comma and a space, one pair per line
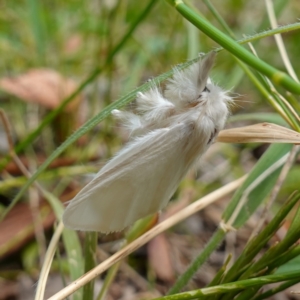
129, 120
183, 87
153, 106
186, 86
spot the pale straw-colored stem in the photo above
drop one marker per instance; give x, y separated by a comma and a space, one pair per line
279, 41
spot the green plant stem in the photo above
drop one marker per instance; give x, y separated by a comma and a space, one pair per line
218, 278
285, 257
199, 261
234, 48
108, 280
293, 101
71, 243
60, 268
267, 33
282, 287
38, 27
219, 18
274, 153
139, 228
231, 287
90, 245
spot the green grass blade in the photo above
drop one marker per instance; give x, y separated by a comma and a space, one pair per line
90, 247
199, 261
38, 27
258, 193
282, 287
71, 243
231, 287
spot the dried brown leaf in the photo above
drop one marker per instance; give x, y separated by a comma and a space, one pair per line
43, 86
259, 133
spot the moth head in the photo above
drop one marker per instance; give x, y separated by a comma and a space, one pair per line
190, 86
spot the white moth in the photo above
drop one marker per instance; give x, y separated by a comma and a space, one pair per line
171, 132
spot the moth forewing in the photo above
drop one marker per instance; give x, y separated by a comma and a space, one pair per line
139, 181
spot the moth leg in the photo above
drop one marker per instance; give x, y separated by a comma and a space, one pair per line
212, 136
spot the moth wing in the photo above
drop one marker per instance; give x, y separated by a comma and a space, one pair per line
137, 182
